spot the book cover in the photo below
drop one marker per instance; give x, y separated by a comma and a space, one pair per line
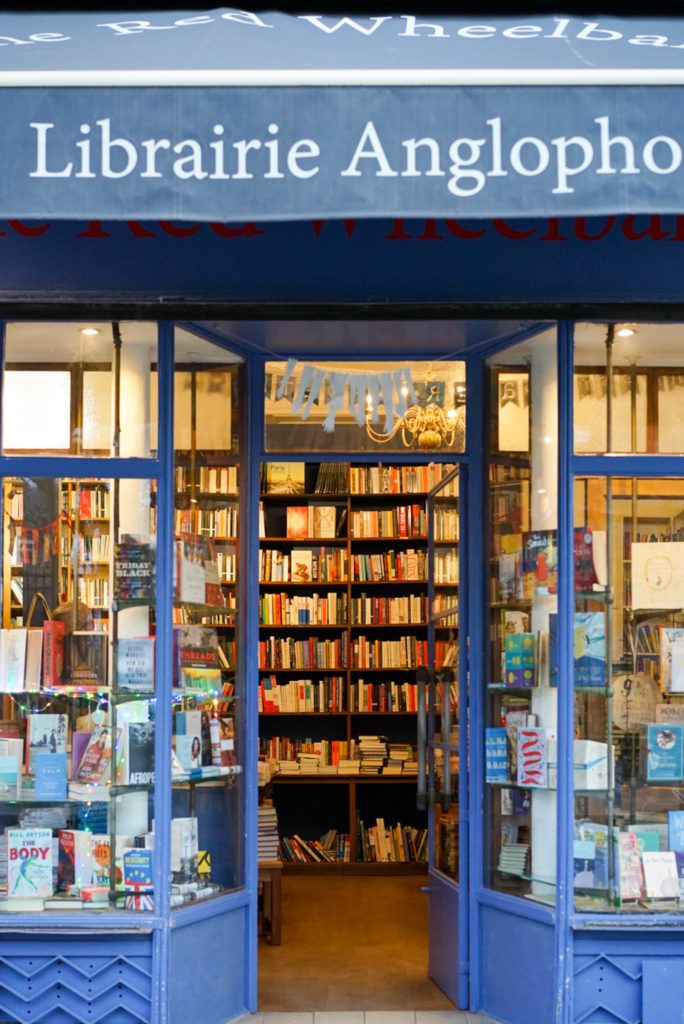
658, 575
46, 734
496, 755
189, 573
137, 767
137, 869
197, 657
34, 659
101, 854
29, 863
297, 522
324, 517
666, 714
12, 660
539, 563
51, 776
677, 667
665, 753
532, 758
74, 861
94, 765
675, 831
516, 622
590, 649
86, 658
661, 877
669, 635
584, 863
10, 777
135, 664
630, 870
284, 477
53, 652
189, 750
302, 565
519, 659
184, 849
585, 572
134, 569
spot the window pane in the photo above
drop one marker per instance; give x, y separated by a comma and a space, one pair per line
629, 684
368, 399
208, 796
69, 372
77, 674
522, 706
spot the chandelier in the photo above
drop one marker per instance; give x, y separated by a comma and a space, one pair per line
428, 427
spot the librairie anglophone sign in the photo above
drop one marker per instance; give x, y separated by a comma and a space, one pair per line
232, 115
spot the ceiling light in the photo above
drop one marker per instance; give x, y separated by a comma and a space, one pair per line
626, 331
89, 330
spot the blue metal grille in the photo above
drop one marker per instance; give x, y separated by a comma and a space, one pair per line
75, 981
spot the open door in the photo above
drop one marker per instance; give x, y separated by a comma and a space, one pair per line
442, 717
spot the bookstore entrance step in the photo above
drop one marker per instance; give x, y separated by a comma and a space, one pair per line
367, 1017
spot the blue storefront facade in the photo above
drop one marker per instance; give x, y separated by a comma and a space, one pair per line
512, 210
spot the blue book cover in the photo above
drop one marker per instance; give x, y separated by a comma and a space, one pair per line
590, 649
51, 776
137, 868
675, 831
665, 758
496, 755
519, 659
9, 776
584, 863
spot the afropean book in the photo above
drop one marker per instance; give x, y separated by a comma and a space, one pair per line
137, 763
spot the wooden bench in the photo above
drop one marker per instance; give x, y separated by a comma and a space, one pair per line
270, 874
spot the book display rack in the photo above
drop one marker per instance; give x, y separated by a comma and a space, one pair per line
343, 629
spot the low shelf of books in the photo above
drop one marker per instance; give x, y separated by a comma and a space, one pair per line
343, 628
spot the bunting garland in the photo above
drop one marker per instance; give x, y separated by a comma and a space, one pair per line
35, 545
360, 393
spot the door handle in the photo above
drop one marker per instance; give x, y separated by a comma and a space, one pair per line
422, 677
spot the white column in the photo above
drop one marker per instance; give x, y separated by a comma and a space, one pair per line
544, 516
134, 518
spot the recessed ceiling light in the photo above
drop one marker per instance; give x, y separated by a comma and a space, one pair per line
89, 330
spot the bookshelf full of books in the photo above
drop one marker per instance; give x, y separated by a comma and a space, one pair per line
343, 630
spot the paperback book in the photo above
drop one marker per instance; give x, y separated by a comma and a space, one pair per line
46, 734
197, 658
29, 863
137, 754
539, 563
51, 776
664, 753
661, 877
135, 664
134, 569
533, 764
94, 766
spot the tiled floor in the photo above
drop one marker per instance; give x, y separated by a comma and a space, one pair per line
367, 1017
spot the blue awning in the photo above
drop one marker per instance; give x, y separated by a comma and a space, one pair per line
231, 115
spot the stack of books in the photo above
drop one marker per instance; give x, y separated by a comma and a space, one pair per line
513, 858
288, 767
309, 763
398, 755
348, 766
267, 835
373, 751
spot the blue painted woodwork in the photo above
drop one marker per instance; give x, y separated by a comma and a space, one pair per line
516, 967
60, 979
208, 960
443, 932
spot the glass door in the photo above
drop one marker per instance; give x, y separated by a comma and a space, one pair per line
445, 792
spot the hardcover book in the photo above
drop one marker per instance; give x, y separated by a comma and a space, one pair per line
53, 652
665, 753
670, 635
532, 758
284, 477
134, 569
51, 776
46, 734
496, 755
94, 766
12, 660
661, 878
590, 649
135, 664
297, 521
29, 863
629, 867
86, 658
197, 658
137, 761
539, 563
